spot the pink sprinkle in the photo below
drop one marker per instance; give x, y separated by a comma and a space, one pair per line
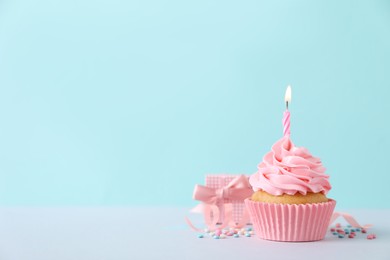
371, 236
364, 231
332, 230
341, 232
218, 232
338, 225
351, 236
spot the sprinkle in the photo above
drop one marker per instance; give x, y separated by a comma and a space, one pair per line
200, 236
248, 235
353, 230
335, 233
341, 236
236, 236
371, 236
230, 234
351, 236
338, 225
218, 232
332, 230
223, 236
249, 229
364, 231
358, 230
216, 237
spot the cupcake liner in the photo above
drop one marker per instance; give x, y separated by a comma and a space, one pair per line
290, 222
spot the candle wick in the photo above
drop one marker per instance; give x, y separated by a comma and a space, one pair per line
287, 105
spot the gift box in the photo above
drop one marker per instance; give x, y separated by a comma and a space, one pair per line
223, 189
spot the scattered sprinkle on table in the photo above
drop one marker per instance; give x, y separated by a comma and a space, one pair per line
228, 233
349, 231
337, 230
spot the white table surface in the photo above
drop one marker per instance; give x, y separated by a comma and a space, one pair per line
160, 233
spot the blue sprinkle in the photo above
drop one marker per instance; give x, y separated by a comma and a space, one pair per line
358, 230
346, 229
248, 235
216, 237
353, 230
200, 236
341, 236
335, 233
346, 232
248, 229
236, 235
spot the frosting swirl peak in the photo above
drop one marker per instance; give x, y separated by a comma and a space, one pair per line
288, 169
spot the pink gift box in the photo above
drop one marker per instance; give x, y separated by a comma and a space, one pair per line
220, 181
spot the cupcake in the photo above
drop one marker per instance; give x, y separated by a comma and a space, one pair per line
289, 201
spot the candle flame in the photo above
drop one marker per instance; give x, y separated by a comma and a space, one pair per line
287, 96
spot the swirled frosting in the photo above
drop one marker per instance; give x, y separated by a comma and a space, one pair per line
288, 169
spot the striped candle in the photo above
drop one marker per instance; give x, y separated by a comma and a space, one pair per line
286, 123
286, 114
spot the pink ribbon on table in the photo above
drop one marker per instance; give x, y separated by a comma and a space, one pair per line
351, 220
211, 215
238, 189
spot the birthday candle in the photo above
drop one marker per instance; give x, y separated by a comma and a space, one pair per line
286, 114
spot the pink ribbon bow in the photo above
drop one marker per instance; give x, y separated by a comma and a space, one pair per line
238, 189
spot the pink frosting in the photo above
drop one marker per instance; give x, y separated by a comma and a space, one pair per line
288, 169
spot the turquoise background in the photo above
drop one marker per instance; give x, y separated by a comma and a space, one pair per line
133, 102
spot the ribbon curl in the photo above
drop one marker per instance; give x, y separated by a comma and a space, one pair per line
351, 220
211, 215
